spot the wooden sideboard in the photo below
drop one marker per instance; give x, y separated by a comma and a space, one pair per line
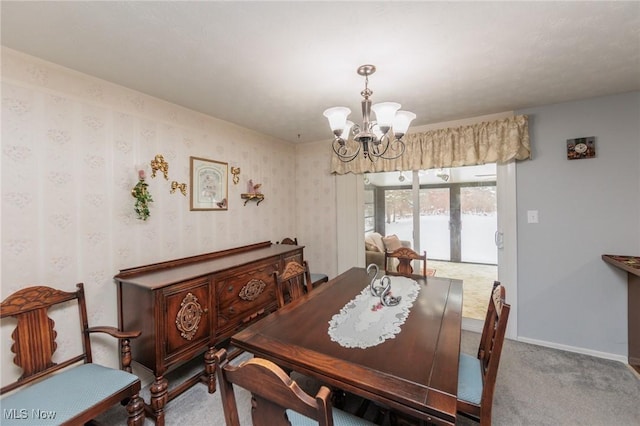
631, 265
186, 307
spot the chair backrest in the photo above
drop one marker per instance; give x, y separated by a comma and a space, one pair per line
272, 390
489, 352
494, 330
290, 241
34, 338
405, 256
293, 282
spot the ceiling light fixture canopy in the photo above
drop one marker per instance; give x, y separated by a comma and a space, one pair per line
377, 139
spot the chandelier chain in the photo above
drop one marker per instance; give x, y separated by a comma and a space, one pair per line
366, 92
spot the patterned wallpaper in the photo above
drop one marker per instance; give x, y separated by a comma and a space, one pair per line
316, 210
71, 144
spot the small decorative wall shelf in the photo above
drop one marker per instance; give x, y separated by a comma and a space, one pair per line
255, 197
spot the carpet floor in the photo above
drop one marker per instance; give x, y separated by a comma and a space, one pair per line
477, 284
535, 386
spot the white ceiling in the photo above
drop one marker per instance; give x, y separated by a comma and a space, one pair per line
275, 66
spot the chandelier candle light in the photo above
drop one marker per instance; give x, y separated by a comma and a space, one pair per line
377, 139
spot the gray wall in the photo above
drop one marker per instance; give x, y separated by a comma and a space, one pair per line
567, 295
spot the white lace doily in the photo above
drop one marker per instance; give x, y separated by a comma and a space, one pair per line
365, 322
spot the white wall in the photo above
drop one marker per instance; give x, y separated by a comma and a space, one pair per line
567, 295
70, 144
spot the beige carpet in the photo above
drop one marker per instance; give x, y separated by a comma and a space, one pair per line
477, 283
536, 386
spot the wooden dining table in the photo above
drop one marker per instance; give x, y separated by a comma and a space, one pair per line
415, 372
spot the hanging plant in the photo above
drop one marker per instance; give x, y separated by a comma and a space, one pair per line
141, 193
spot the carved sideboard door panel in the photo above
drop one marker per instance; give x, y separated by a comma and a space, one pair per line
186, 317
188, 307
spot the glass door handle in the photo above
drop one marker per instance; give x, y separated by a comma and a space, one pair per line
499, 239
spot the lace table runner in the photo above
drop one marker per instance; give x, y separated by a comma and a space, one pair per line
365, 322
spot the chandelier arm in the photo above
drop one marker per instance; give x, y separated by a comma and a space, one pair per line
388, 144
344, 158
383, 142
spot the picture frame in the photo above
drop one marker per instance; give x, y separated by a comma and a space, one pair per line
209, 184
580, 148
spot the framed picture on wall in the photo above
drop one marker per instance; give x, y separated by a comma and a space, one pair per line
209, 190
581, 148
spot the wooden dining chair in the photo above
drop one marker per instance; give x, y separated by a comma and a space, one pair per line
292, 283
477, 375
405, 256
67, 385
316, 278
276, 399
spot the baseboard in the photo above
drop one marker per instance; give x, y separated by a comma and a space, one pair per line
604, 355
476, 326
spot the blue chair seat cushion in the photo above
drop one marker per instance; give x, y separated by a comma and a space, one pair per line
340, 418
64, 395
319, 278
469, 379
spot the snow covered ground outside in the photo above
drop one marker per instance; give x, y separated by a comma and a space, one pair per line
478, 233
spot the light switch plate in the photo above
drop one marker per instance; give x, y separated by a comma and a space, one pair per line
532, 216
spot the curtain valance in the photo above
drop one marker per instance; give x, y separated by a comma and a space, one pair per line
497, 141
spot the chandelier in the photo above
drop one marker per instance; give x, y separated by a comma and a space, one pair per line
377, 139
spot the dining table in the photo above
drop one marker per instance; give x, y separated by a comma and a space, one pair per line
403, 357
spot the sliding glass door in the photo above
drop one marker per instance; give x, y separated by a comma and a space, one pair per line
457, 226
435, 217
478, 224
398, 214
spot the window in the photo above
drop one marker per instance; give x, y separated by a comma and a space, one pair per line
369, 211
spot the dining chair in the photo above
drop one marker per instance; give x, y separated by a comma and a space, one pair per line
292, 283
276, 399
69, 385
405, 256
477, 375
290, 241
316, 279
